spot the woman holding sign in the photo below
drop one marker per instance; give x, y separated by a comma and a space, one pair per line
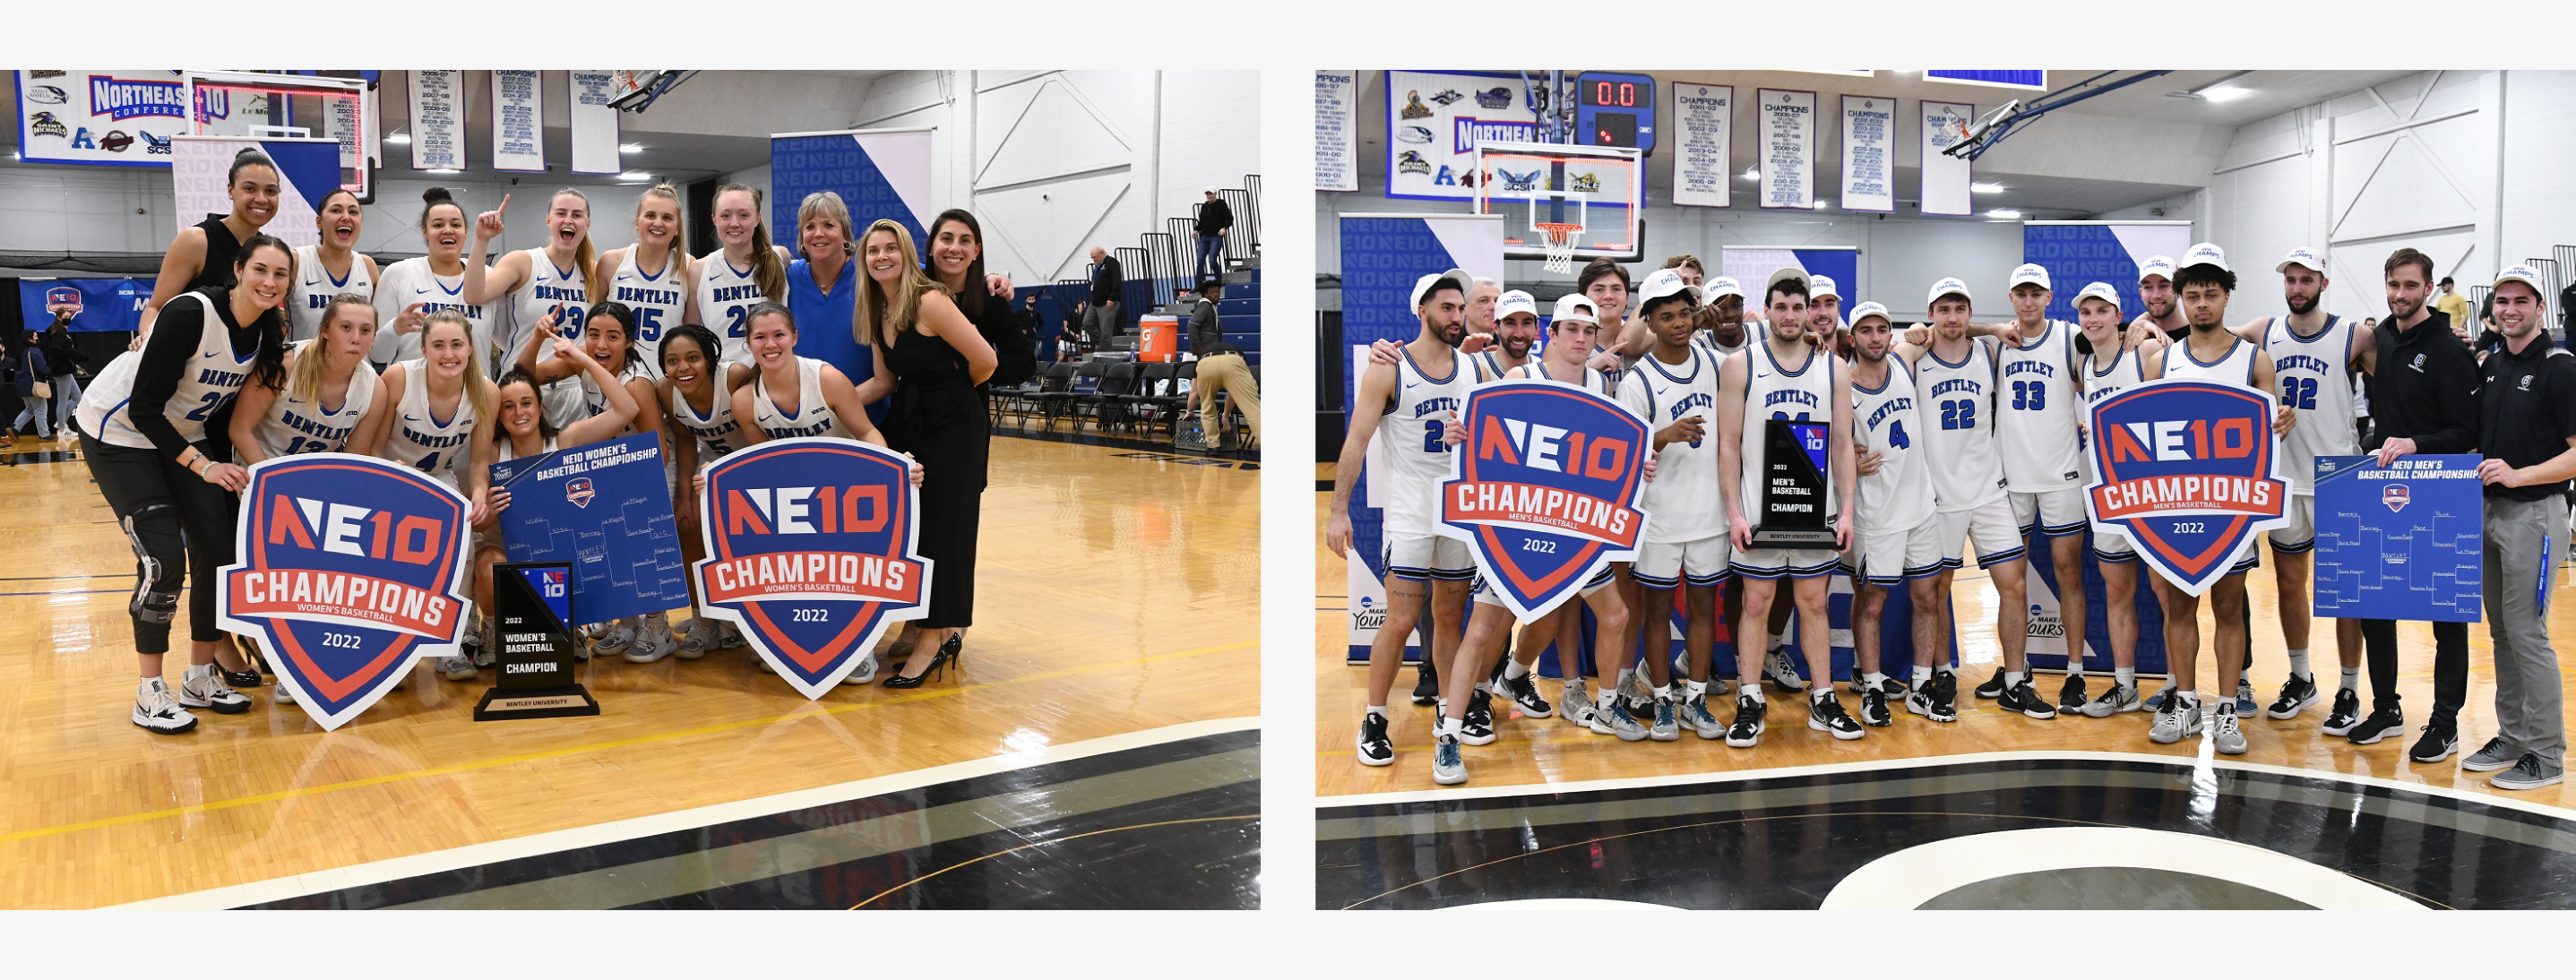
525, 431
696, 394
331, 268
661, 297
610, 343
145, 425
748, 271
931, 357
562, 273
414, 288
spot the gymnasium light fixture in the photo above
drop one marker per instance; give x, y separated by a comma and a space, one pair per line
1986, 187
2217, 90
2007, 214
630, 148
1751, 173
634, 177
443, 171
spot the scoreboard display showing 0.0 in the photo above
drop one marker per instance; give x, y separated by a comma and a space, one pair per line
1614, 109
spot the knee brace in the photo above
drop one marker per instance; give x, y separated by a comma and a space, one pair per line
156, 589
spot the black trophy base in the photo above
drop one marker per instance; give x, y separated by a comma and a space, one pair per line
1805, 539
571, 701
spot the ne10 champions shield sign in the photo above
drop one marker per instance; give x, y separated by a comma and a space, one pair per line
810, 549
1546, 489
343, 596
2186, 470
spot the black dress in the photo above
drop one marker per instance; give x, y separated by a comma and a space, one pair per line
937, 414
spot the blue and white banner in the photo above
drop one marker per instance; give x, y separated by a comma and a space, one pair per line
1869, 154
1383, 255
1753, 265
2401, 542
100, 117
2079, 252
1704, 141
518, 121
438, 119
2025, 78
1946, 178
1434, 121
604, 509
1787, 122
2045, 634
1337, 130
307, 171
595, 129
879, 173
104, 305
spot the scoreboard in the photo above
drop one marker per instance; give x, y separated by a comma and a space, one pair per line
1614, 109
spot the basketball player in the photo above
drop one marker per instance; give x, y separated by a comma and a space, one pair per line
2108, 370
1482, 293
442, 426
696, 395
1606, 283
1784, 377
751, 272
535, 281
1956, 380
522, 431
1412, 401
329, 269
1900, 530
2035, 433
1674, 388
1722, 327
2210, 353
2156, 293
660, 298
606, 341
414, 288
1687, 265
2528, 431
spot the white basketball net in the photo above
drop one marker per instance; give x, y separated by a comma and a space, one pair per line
1560, 247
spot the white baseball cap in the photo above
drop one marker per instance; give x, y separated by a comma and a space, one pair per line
2205, 254
1422, 286
1787, 274
1869, 309
1661, 283
2102, 291
2525, 275
2156, 265
1721, 286
1948, 285
1575, 306
2302, 256
1211, 189
2029, 272
1515, 301
1822, 286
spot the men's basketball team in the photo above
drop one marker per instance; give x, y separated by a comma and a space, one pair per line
1949, 440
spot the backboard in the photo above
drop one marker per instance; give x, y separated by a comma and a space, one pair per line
257, 105
1531, 185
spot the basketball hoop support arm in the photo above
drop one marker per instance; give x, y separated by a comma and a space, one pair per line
2059, 99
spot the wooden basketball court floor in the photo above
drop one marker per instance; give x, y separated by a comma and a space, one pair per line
1110, 620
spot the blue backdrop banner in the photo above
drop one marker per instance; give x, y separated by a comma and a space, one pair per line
2079, 252
878, 173
109, 305
605, 509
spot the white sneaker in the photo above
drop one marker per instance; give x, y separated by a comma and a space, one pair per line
651, 640
866, 673
696, 636
203, 687
155, 711
489, 652
456, 668
619, 636
280, 694
1779, 670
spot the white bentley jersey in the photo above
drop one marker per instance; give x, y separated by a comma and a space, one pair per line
1775, 391
725, 298
413, 281
813, 415
659, 301
2036, 409
422, 440
2315, 377
2124, 373
315, 287
1409, 443
1684, 495
212, 379
297, 425
1958, 406
717, 432
1900, 496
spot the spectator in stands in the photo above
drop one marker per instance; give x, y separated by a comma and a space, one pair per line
1107, 285
1221, 369
2451, 303
1057, 341
1036, 324
1214, 218
1204, 333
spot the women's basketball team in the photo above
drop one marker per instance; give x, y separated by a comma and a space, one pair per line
252, 349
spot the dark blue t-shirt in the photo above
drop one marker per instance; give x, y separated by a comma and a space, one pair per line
824, 325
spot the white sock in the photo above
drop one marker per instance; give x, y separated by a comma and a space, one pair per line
2125, 677
2192, 699
2075, 665
1609, 693
2013, 679
1664, 693
1943, 669
1819, 693
1873, 679
1452, 726
2352, 678
1697, 689
2299, 663
1486, 686
1512, 670
1377, 710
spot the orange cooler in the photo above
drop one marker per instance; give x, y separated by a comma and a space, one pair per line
1160, 338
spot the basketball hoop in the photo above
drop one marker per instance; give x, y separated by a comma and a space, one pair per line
1560, 246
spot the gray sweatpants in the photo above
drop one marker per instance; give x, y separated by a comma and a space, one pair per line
2525, 542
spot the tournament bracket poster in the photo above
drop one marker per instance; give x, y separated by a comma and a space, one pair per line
1382, 257
1546, 491
605, 510
2402, 541
879, 173
350, 568
811, 549
2079, 252
2188, 470
1435, 120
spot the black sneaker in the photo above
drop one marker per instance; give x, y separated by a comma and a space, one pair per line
2346, 714
1873, 708
1523, 691
2297, 694
1993, 687
2381, 724
1375, 750
1826, 714
1945, 695
1478, 723
1747, 730
2441, 739
240, 678
2071, 698
2024, 697
1426, 683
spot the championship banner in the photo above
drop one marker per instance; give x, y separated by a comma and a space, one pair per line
1946, 178
879, 173
1337, 131
811, 550
1788, 126
605, 510
1546, 491
100, 117
1869, 154
2188, 473
1434, 121
308, 170
2403, 541
1704, 144
342, 596
518, 121
1756, 263
2078, 252
1382, 256
596, 131
104, 305
438, 119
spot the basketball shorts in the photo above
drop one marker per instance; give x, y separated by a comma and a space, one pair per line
2057, 513
1772, 563
1706, 561
1485, 592
1989, 525
2113, 548
1891, 558
1423, 557
2300, 535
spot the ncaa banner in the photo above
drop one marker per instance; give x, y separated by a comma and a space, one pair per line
518, 121
308, 169
343, 596
811, 550
2188, 472
605, 510
1434, 122
1869, 154
1546, 491
1787, 121
1382, 256
100, 117
2045, 640
1704, 144
2077, 252
1337, 131
879, 173
596, 132
2405, 541
1946, 178
104, 305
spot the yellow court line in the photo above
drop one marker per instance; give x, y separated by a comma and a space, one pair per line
463, 767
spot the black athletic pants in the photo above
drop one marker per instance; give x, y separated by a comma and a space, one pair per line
2450, 665
179, 525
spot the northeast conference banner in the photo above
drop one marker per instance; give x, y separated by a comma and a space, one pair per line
100, 305
1383, 255
879, 173
99, 117
2079, 252
307, 171
1946, 178
1703, 130
518, 121
438, 119
1337, 136
1787, 121
1435, 120
1869, 153
595, 129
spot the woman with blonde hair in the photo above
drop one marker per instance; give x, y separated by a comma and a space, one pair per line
822, 292
564, 273
660, 297
442, 426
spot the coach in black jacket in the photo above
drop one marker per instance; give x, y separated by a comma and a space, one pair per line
2423, 399
1214, 218
1107, 285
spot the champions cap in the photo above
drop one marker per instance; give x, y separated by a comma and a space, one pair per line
1422, 286
2205, 254
1819, 287
1721, 286
1788, 274
1661, 283
2302, 256
1575, 306
2101, 291
2525, 275
2156, 265
1867, 310
1515, 301
1948, 285
2030, 273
